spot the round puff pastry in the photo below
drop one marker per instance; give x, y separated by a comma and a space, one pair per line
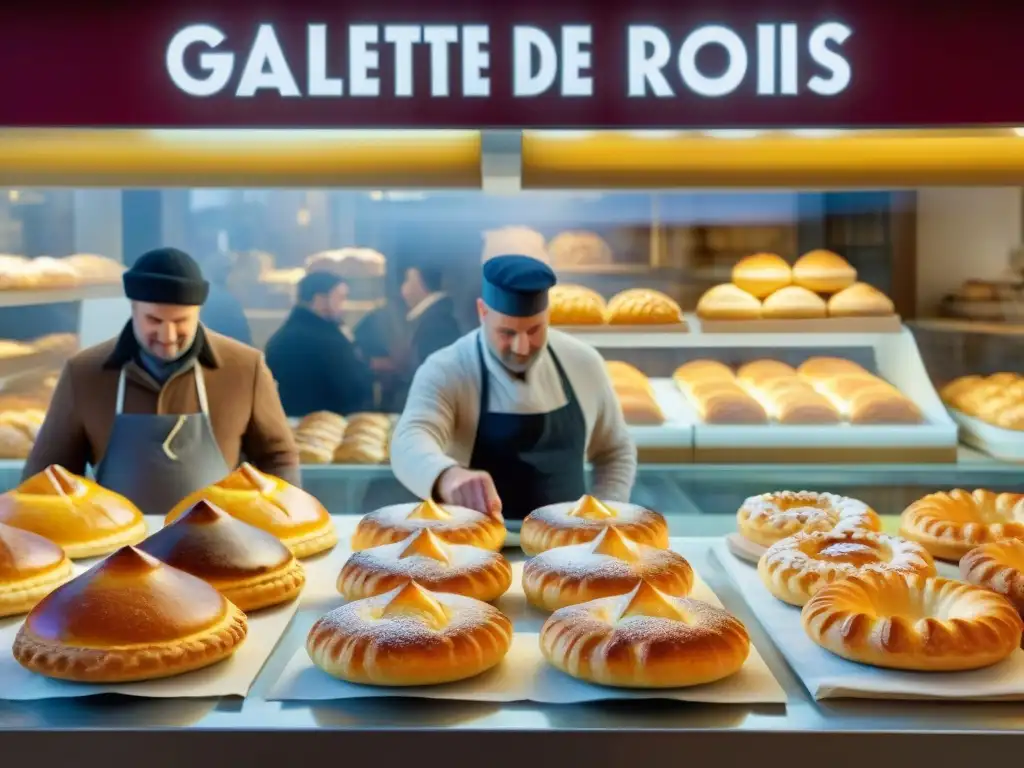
793, 303
762, 274
860, 300
727, 302
609, 565
998, 566
908, 621
410, 636
250, 567
823, 271
455, 525
795, 568
30, 568
83, 518
949, 525
575, 305
429, 561
558, 525
645, 639
771, 517
129, 618
643, 306
270, 504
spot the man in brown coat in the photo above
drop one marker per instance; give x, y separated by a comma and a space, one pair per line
168, 407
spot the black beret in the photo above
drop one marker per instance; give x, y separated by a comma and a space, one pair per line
166, 276
517, 285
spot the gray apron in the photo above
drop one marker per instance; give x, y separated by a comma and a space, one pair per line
156, 460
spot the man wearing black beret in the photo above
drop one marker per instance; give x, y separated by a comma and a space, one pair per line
168, 407
504, 420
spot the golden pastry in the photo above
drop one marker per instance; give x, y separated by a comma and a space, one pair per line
643, 306
950, 525
609, 565
640, 408
250, 567
724, 403
771, 517
816, 368
558, 525
860, 300
129, 618
789, 400
999, 566
83, 518
823, 271
762, 370
762, 274
30, 568
432, 563
410, 636
575, 305
270, 504
645, 639
728, 302
703, 370
455, 525
793, 303
909, 621
794, 569
622, 372
579, 249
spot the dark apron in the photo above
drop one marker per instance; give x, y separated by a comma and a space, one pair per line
535, 459
156, 460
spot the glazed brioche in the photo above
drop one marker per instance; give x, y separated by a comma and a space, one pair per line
30, 568
762, 274
645, 639
900, 620
998, 566
643, 306
951, 524
823, 271
770, 517
559, 525
452, 524
575, 305
860, 300
410, 636
793, 303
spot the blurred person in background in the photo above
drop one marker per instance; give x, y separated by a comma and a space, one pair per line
431, 314
222, 311
382, 338
316, 365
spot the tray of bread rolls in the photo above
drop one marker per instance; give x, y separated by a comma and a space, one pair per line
990, 413
636, 310
506, 617
327, 438
659, 419
859, 613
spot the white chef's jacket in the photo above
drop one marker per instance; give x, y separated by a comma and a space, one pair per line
438, 426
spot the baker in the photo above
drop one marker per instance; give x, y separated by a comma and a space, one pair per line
504, 420
168, 407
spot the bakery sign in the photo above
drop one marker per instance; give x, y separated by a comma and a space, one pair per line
346, 62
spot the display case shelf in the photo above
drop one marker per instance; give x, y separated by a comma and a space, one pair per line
59, 295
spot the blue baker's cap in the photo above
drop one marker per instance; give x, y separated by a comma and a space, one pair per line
517, 285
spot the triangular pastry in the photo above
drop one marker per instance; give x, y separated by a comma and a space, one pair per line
590, 508
30, 568
250, 567
82, 517
451, 523
270, 504
576, 522
129, 618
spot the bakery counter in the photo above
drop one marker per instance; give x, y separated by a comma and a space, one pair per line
254, 731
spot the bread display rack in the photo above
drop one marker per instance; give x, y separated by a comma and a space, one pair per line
1004, 444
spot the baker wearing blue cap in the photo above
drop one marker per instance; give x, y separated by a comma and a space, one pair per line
504, 420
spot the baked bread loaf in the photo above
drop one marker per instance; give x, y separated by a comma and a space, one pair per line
823, 271
726, 403
999, 566
698, 371
580, 249
762, 274
270, 504
93, 269
30, 568
997, 399
515, 239
950, 525
129, 618
640, 408
645, 639
49, 272
622, 373
318, 436
362, 451
81, 517
759, 371
901, 620
410, 636
790, 400
432, 563
794, 569
818, 368
609, 565
250, 567
575, 305
728, 302
643, 306
860, 300
793, 303
558, 525
452, 524
862, 398
771, 517
349, 262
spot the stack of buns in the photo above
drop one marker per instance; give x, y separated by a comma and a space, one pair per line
997, 399
820, 284
42, 272
348, 262
635, 394
823, 390
318, 436
577, 305
327, 438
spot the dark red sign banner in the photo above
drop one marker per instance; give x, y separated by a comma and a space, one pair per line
529, 63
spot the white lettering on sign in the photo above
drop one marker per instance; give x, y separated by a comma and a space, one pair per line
202, 62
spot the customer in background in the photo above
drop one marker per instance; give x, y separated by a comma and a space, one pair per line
316, 365
431, 313
223, 312
382, 338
